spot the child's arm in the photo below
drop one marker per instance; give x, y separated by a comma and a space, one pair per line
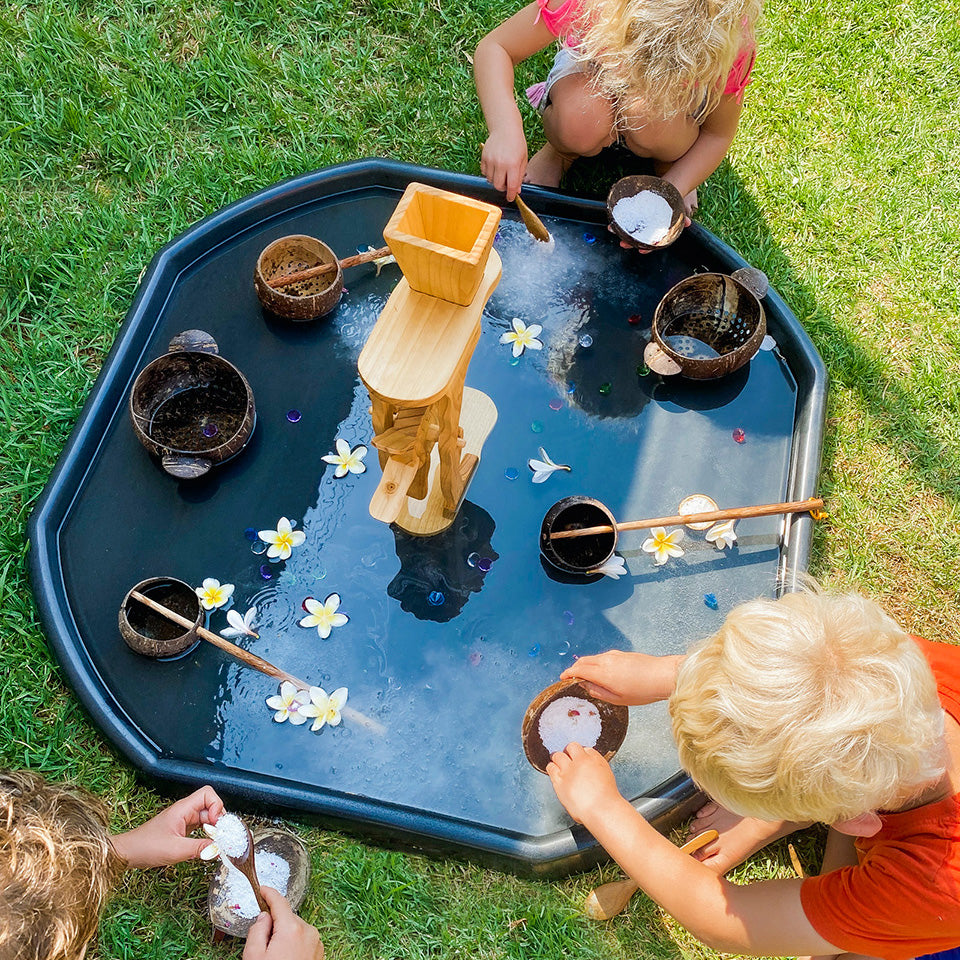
757, 919
710, 147
504, 158
630, 679
164, 839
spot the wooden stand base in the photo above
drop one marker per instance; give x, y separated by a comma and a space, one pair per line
427, 517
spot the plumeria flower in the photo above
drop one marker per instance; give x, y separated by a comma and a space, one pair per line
289, 704
614, 568
214, 594
544, 468
211, 850
380, 262
522, 337
722, 534
241, 626
324, 615
662, 545
347, 460
325, 707
282, 540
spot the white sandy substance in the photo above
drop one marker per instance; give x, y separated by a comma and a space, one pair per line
646, 216
569, 720
237, 894
231, 835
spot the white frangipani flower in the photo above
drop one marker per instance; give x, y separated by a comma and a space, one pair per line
522, 337
325, 707
347, 460
282, 540
324, 615
662, 545
722, 534
544, 468
614, 568
288, 704
214, 594
241, 626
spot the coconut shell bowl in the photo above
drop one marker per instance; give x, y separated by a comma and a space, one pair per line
635, 185
706, 326
307, 299
152, 635
613, 722
221, 905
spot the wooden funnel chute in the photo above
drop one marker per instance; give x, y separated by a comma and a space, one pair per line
428, 428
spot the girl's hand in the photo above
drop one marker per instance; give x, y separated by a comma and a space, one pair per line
583, 781
281, 934
164, 840
504, 160
628, 679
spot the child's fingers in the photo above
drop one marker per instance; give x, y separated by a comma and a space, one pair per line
259, 936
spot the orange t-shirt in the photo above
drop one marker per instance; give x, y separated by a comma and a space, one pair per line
903, 900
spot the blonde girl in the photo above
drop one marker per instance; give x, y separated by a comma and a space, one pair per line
665, 77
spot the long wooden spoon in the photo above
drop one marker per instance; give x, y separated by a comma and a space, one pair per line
278, 283
609, 899
733, 513
246, 864
250, 659
532, 222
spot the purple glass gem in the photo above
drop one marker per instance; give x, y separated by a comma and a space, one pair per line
739, 435
568, 618
266, 571
210, 429
484, 564
294, 416
589, 238
475, 658
556, 403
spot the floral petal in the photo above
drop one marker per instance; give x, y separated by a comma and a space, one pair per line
324, 630
508, 337
280, 716
517, 348
309, 621
343, 448
297, 718
341, 471
297, 537
338, 619
283, 526
330, 458
210, 584
339, 697
332, 603
318, 723
312, 604
210, 851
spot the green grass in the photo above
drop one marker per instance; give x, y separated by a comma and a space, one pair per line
123, 122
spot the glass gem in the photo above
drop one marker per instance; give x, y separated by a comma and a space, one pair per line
473, 559
564, 648
534, 651
475, 658
369, 560
605, 389
585, 340
266, 571
251, 534
555, 404
435, 598
589, 238
634, 319
319, 572
511, 473
484, 564
739, 435
711, 601
537, 426
294, 416
642, 370
210, 429
258, 546
568, 618
571, 387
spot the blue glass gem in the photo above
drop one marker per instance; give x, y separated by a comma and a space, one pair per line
564, 648
435, 598
568, 618
265, 571
250, 534
210, 429
589, 238
511, 473
258, 546
537, 426
484, 564
711, 601
571, 387
319, 572
514, 361
585, 340
534, 651
294, 416
473, 559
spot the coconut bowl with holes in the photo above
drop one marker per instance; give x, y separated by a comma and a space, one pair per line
307, 299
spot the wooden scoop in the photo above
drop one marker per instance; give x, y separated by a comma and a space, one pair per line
278, 283
532, 222
706, 516
609, 899
246, 864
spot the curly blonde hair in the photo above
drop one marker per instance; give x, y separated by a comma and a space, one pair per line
815, 706
56, 867
671, 56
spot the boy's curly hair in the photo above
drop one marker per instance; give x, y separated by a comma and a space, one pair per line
815, 706
56, 867
671, 56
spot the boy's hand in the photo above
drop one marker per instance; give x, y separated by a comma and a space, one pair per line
628, 679
583, 781
281, 934
164, 839
504, 160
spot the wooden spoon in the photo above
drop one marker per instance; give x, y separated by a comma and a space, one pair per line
278, 283
246, 864
532, 222
732, 513
609, 899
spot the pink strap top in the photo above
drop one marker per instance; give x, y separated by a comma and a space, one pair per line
560, 20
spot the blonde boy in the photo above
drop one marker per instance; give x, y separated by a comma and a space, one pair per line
811, 707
